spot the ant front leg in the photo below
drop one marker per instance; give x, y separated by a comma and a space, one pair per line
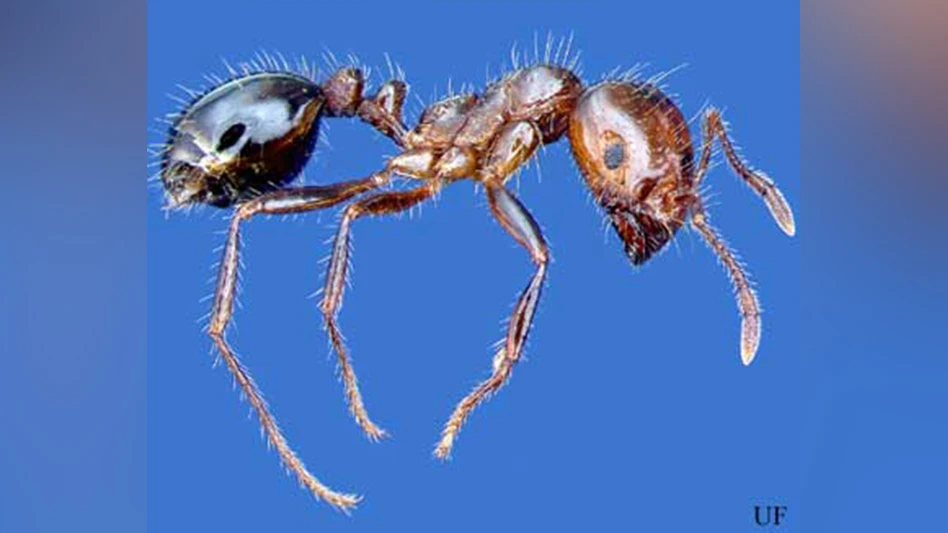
278, 202
518, 222
515, 144
379, 204
714, 127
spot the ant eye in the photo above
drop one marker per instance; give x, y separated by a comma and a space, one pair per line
231, 136
614, 156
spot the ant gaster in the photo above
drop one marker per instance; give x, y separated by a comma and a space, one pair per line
243, 142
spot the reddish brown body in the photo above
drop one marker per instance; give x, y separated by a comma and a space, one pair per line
486, 137
631, 143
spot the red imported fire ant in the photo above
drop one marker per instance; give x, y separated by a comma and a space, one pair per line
241, 144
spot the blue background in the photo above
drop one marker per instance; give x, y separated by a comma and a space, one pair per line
632, 410
872, 286
72, 267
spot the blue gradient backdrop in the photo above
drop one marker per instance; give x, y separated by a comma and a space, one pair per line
72, 272
841, 418
632, 410
874, 286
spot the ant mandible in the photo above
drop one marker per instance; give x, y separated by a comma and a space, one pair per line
242, 143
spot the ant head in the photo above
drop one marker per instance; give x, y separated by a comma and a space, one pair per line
608, 136
630, 142
247, 136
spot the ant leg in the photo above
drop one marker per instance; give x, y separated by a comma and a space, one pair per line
518, 222
284, 201
765, 187
746, 298
378, 204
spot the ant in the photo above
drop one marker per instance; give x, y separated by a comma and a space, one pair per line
242, 143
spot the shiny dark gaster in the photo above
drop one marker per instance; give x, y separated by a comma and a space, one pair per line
249, 136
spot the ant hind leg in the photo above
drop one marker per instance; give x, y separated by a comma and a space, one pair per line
278, 202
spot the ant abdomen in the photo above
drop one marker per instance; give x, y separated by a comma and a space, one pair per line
634, 150
251, 135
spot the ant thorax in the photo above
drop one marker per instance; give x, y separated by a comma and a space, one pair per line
541, 94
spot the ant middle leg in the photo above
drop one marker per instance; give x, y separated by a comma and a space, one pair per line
383, 203
518, 222
714, 127
295, 200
